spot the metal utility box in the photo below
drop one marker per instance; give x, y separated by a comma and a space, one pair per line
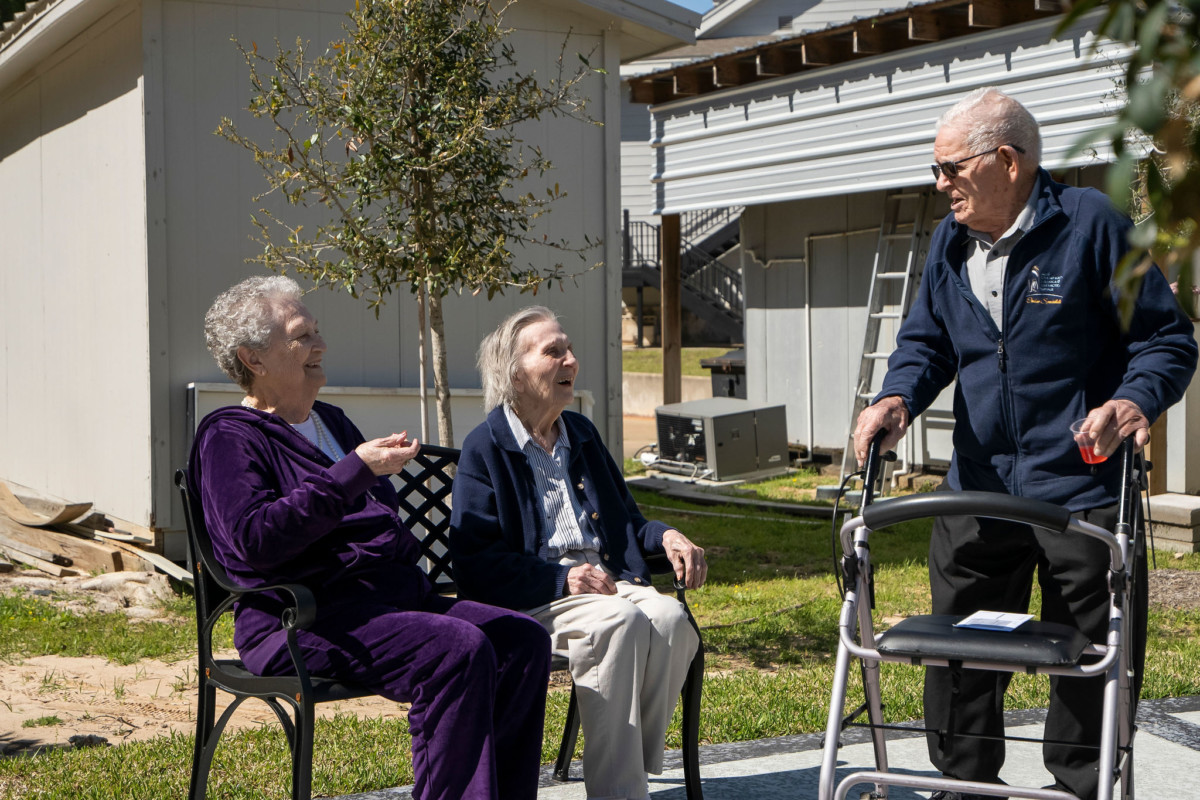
722, 438
728, 374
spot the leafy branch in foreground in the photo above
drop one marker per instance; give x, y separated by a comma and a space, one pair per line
406, 131
1157, 169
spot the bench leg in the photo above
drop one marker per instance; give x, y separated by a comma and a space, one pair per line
562, 766
691, 725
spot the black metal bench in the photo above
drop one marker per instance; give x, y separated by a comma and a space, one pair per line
424, 489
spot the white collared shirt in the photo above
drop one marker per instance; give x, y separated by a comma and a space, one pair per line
567, 526
987, 261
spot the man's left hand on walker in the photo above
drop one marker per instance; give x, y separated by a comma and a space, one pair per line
687, 558
1113, 422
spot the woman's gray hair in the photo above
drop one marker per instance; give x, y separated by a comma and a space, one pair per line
500, 352
245, 316
991, 118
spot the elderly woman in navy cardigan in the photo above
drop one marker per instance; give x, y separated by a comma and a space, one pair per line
542, 522
291, 492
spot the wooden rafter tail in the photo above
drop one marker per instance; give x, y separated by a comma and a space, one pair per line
734, 72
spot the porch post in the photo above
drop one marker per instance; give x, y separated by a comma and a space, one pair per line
671, 314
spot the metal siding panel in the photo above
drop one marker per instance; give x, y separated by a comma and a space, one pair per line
637, 160
23, 373
78, 300
869, 124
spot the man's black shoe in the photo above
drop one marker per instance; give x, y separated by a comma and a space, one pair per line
944, 795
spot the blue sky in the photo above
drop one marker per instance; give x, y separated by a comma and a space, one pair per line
695, 5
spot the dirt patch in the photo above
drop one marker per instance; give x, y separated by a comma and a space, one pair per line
93, 697
79, 702
1175, 588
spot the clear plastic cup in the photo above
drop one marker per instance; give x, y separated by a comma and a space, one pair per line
1086, 447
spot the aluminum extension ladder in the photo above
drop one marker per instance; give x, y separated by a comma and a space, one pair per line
899, 258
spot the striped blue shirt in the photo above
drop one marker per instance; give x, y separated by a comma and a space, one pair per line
566, 525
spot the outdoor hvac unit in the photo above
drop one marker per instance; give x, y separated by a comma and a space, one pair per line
722, 438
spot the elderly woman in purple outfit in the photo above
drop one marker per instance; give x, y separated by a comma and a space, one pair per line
291, 492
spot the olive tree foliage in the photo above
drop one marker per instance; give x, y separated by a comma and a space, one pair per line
1156, 174
404, 135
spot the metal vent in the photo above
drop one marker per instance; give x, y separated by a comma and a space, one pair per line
681, 439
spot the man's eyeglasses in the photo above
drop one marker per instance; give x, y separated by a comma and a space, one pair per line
950, 168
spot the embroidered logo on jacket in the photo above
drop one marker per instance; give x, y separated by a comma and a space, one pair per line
1043, 289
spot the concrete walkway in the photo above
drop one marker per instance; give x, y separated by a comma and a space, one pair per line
1166, 759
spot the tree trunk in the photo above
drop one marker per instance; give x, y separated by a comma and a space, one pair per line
421, 359
441, 376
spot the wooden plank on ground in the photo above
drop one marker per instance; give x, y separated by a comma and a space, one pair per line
86, 556
151, 562
45, 566
21, 548
41, 513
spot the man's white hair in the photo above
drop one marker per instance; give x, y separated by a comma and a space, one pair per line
991, 118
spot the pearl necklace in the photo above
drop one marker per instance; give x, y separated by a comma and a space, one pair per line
325, 440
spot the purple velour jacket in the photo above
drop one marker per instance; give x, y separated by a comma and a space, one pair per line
278, 510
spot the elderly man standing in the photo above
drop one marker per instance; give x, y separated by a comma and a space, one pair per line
1017, 302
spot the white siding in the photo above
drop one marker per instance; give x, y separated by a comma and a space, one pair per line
763, 16
74, 385
637, 160
869, 124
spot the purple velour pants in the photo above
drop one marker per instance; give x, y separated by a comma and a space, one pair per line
476, 677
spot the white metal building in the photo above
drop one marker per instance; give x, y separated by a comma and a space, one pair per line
122, 216
810, 132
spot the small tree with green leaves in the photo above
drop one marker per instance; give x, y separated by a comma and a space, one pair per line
405, 130
1157, 169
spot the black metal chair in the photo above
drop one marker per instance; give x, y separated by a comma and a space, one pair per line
215, 595
424, 491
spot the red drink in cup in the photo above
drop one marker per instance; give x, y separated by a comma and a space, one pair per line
1086, 447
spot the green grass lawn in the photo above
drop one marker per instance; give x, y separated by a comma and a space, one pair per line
770, 616
649, 359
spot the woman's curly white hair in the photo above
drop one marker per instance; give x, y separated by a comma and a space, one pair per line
245, 316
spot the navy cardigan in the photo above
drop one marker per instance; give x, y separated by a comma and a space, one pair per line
497, 525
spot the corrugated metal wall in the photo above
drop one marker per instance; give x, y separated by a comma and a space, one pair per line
869, 124
637, 160
811, 157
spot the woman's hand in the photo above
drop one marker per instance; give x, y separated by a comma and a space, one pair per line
690, 567
387, 456
586, 579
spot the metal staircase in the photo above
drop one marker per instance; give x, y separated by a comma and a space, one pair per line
710, 289
899, 258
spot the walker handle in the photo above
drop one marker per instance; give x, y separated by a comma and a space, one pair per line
873, 467
975, 504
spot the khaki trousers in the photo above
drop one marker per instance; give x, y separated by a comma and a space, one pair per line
629, 655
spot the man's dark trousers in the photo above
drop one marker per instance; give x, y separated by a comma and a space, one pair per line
977, 563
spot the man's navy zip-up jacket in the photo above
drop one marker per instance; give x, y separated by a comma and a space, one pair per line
1062, 352
497, 523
